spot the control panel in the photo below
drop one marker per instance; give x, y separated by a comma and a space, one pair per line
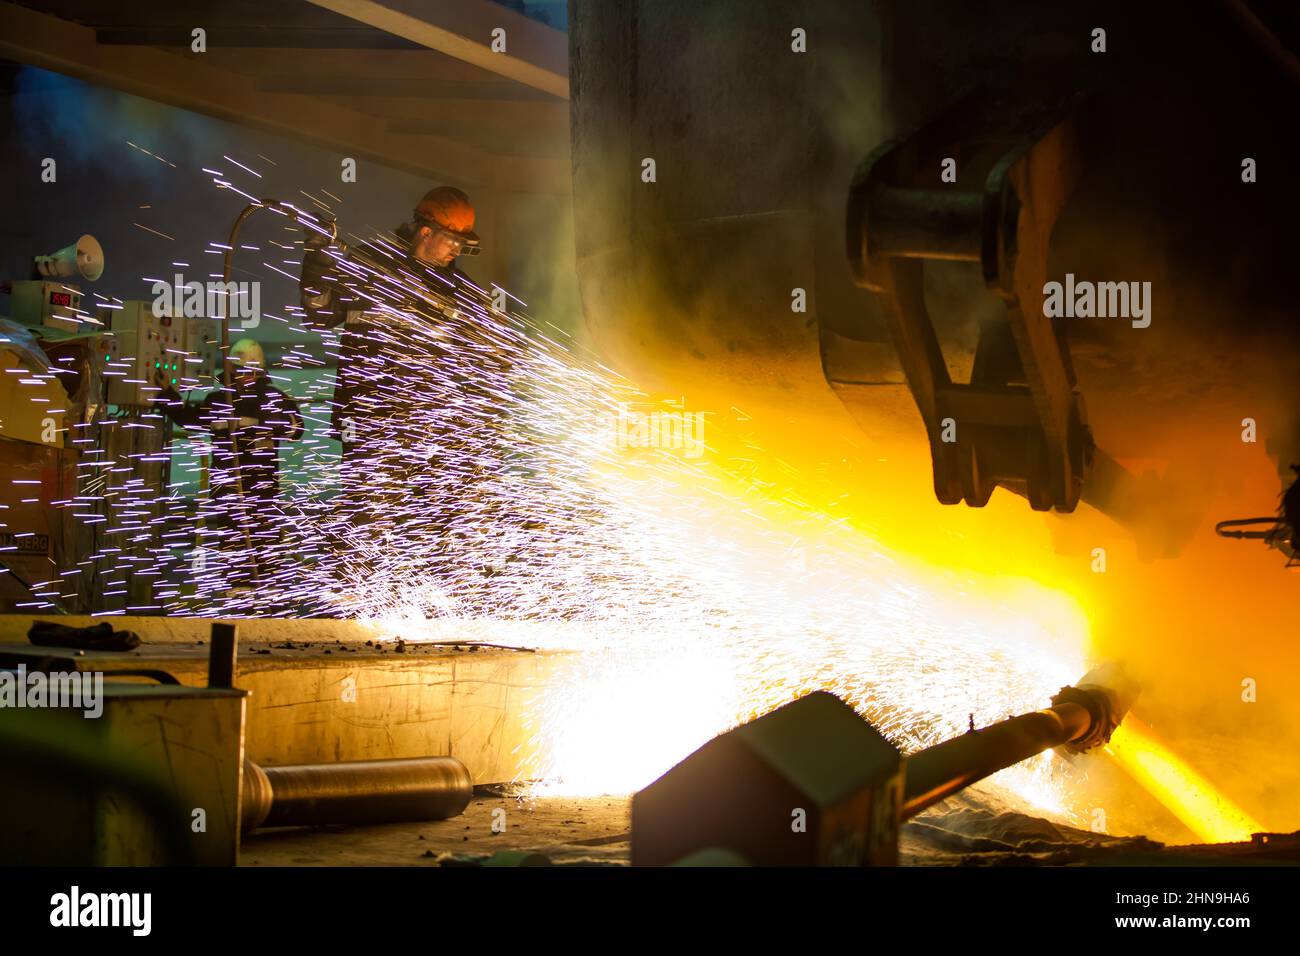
143, 353
203, 341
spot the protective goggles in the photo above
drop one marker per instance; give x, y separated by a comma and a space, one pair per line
461, 245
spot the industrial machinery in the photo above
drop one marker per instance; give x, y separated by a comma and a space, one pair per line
81, 422
145, 352
76, 404
967, 160
1280, 531
1020, 421
48, 303
154, 780
161, 777
811, 783
50, 396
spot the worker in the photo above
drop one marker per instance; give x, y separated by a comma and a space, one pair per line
419, 370
441, 229
249, 420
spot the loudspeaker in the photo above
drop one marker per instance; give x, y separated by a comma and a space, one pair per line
84, 259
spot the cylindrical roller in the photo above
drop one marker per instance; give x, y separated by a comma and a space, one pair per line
361, 792
926, 223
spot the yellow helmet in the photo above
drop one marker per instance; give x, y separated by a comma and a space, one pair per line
248, 352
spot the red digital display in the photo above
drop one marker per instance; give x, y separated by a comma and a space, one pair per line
61, 298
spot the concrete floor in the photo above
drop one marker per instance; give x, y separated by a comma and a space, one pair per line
588, 830
970, 829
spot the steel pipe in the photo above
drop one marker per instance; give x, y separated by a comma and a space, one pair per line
359, 792
1081, 717
940, 771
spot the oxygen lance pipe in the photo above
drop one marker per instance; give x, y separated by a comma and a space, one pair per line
1081, 717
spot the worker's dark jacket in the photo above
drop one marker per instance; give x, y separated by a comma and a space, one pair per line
374, 343
426, 405
248, 423
432, 388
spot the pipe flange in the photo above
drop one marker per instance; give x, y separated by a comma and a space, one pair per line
1097, 702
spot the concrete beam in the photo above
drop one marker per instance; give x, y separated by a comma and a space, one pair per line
325, 704
536, 55
191, 630
318, 693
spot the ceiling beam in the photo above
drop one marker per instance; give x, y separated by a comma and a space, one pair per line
536, 55
189, 82
288, 37
497, 91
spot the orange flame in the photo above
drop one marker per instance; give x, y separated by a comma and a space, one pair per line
1183, 791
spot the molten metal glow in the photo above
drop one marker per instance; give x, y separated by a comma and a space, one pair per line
754, 615
503, 490
1183, 791
502, 479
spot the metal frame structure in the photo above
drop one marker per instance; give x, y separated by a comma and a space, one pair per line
1020, 421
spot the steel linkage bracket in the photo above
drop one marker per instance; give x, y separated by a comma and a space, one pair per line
1020, 421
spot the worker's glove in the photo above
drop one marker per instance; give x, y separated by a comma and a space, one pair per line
168, 395
243, 423
316, 262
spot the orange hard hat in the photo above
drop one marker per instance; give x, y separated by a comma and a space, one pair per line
449, 208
